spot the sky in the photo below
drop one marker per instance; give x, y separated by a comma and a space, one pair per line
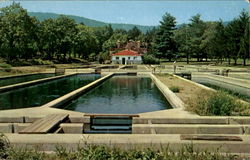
140, 12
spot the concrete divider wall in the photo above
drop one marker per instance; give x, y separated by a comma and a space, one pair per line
49, 142
76, 93
187, 129
200, 120
245, 90
30, 83
20, 75
6, 128
175, 101
72, 128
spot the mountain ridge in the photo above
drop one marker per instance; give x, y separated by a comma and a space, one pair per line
90, 22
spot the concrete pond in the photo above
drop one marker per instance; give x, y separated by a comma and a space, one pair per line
4, 81
37, 95
121, 95
121, 107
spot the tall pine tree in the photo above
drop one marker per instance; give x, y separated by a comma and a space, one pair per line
164, 42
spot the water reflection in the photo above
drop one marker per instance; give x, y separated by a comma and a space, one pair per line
122, 94
10, 81
40, 94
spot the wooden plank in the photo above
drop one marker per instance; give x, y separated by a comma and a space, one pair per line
111, 115
45, 124
210, 138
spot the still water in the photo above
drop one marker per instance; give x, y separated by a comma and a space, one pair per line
123, 95
40, 94
15, 80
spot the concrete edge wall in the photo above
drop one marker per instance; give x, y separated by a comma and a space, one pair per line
227, 81
144, 120
30, 83
194, 83
196, 120
68, 97
20, 75
49, 142
224, 85
175, 101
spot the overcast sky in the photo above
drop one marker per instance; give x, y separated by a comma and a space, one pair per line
140, 12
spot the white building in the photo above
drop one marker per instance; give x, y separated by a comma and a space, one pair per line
126, 57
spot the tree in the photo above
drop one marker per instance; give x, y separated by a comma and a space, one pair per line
197, 28
18, 32
182, 39
244, 27
134, 33
114, 40
103, 34
48, 38
232, 40
207, 41
164, 43
218, 42
66, 31
85, 42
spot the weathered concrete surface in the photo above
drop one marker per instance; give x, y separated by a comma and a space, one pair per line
169, 113
194, 83
188, 120
73, 128
239, 120
234, 84
175, 101
33, 113
5, 128
48, 142
30, 83
20, 126
186, 129
13, 119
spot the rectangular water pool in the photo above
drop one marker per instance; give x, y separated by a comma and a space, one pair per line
122, 95
40, 94
24, 78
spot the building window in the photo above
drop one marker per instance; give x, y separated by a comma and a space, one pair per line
129, 58
117, 58
135, 57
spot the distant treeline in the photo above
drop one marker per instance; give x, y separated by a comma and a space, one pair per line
63, 40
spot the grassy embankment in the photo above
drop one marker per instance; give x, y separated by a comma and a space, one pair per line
205, 102
91, 152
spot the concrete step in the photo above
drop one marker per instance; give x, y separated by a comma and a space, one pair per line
12, 127
189, 129
199, 120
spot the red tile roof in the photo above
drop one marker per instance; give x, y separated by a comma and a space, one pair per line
126, 53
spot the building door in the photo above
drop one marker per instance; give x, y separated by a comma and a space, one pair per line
123, 60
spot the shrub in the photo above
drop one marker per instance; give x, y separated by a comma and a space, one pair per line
41, 62
5, 67
96, 152
221, 103
150, 59
103, 56
215, 103
25, 154
175, 89
20, 62
4, 145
